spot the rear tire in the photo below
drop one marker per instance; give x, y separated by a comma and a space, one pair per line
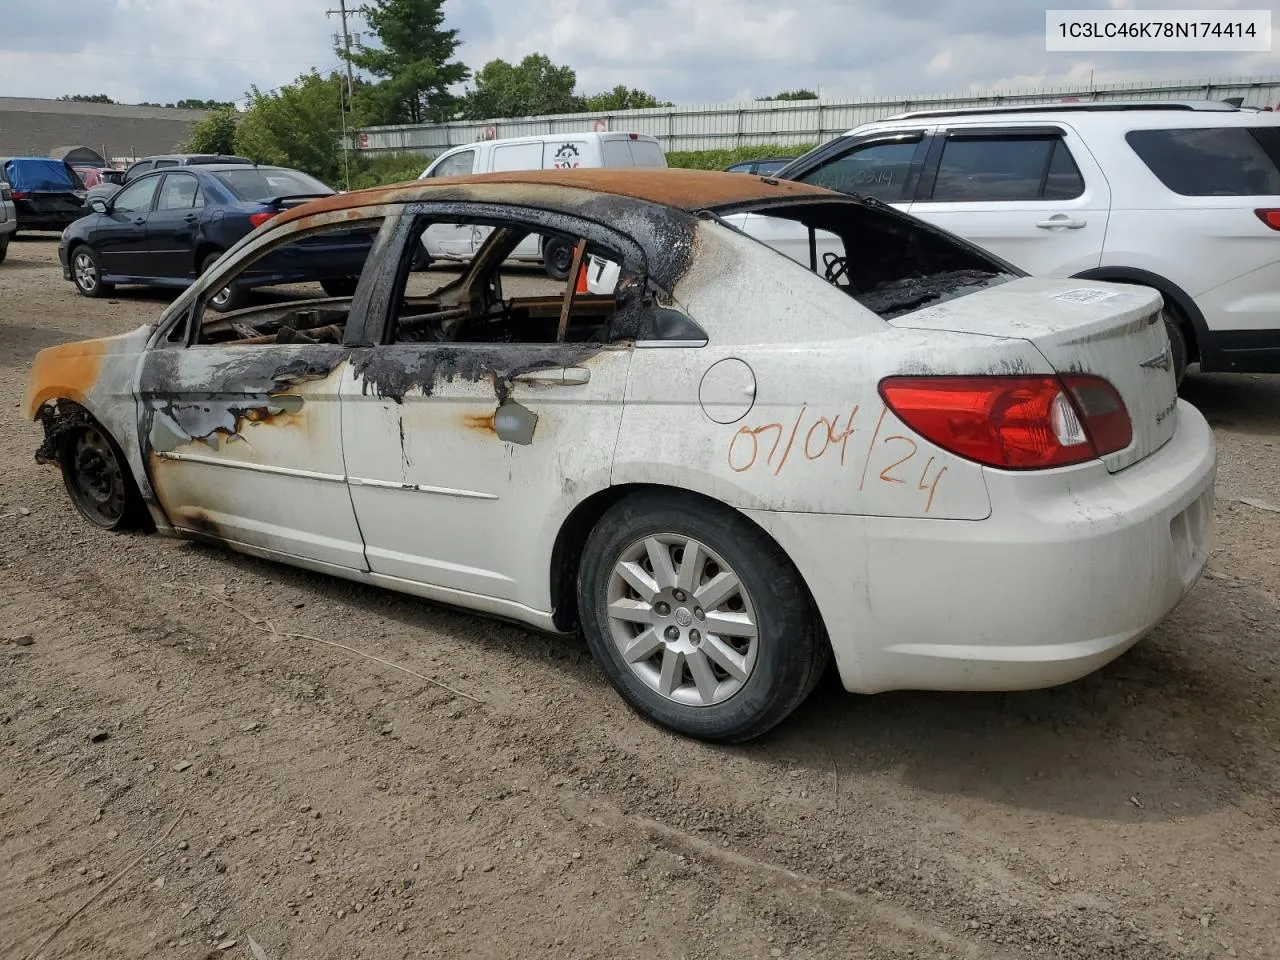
557, 258
86, 272
4, 249
231, 297
698, 619
340, 286
1177, 343
97, 478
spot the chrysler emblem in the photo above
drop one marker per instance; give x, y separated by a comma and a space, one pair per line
1161, 361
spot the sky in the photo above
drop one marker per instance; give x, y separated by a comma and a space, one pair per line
686, 51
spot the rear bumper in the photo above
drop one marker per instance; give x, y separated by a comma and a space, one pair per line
1072, 568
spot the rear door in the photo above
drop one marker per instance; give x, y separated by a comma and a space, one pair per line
172, 226
120, 235
1029, 193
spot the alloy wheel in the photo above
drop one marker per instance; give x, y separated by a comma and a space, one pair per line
682, 620
85, 272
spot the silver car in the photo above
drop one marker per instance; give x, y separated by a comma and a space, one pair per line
8, 219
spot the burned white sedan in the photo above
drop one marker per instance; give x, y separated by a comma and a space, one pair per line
721, 466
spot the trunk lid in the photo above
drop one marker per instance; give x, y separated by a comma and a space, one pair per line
1110, 330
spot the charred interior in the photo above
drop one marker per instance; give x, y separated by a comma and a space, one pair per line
892, 264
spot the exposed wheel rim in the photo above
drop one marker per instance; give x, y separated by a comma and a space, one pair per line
682, 620
97, 479
85, 272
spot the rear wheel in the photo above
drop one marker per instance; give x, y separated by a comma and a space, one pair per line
4, 249
340, 286
699, 620
230, 297
98, 479
86, 272
557, 258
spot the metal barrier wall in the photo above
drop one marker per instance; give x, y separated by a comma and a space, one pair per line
728, 125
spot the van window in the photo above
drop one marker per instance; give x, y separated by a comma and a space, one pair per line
1213, 161
565, 154
456, 165
517, 156
617, 153
646, 153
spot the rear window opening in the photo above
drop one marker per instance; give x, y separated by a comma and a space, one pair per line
889, 262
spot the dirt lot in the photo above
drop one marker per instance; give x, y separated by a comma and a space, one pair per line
305, 802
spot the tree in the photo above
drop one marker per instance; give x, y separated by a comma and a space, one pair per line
413, 61
530, 88
801, 94
621, 98
216, 133
299, 125
87, 97
203, 104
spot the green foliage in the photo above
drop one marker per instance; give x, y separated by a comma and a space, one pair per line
800, 94
299, 125
202, 104
87, 98
216, 133
380, 169
720, 159
621, 98
532, 87
413, 62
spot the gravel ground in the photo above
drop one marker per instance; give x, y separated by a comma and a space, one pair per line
205, 787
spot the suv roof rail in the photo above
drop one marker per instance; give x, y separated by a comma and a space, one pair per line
1100, 106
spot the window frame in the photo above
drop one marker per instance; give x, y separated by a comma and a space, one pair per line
843, 146
151, 204
631, 259
188, 310
933, 163
155, 203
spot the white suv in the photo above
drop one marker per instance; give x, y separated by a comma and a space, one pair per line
1180, 196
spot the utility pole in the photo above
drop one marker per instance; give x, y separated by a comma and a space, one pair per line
346, 41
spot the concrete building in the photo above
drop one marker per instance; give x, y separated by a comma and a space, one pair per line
30, 127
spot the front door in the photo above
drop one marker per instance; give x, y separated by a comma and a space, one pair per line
120, 235
1032, 195
172, 226
242, 426
470, 432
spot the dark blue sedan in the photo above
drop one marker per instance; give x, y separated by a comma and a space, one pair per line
166, 228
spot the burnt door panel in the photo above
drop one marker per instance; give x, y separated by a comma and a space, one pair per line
244, 443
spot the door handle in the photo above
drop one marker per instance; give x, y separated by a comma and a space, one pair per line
1062, 222
560, 377
191, 218
139, 221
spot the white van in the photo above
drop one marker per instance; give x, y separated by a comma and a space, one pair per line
560, 151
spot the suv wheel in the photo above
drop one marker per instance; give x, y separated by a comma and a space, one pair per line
697, 618
1177, 342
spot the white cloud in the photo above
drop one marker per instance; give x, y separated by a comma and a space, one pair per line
689, 51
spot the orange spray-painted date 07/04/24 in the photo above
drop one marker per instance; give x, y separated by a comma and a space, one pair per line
770, 446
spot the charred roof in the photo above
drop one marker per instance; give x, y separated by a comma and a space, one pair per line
688, 190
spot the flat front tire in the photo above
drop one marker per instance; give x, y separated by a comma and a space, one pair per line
699, 620
98, 480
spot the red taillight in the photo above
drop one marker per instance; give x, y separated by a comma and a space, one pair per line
19, 195
258, 219
1017, 423
1270, 217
